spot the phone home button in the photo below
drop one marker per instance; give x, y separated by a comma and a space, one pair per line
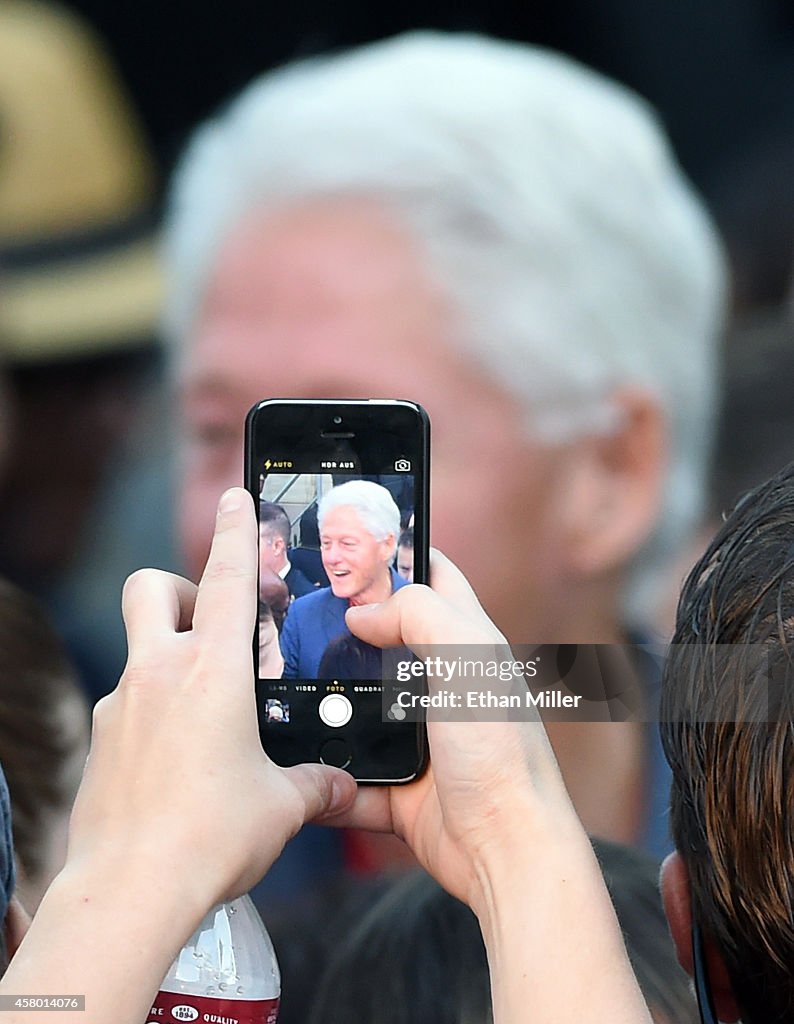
336, 753
335, 710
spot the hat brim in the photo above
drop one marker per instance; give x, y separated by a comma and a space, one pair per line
94, 305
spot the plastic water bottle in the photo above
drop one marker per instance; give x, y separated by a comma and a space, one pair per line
226, 973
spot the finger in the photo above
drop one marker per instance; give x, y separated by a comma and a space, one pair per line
155, 603
370, 810
417, 617
447, 580
226, 602
325, 791
392, 622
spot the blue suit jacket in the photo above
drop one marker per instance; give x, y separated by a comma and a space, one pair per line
311, 623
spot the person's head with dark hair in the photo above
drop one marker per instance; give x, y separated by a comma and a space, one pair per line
405, 554
416, 955
274, 536
632, 879
347, 657
726, 729
306, 558
309, 531
44, 728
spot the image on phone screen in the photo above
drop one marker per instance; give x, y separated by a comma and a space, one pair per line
342, 510
343, 541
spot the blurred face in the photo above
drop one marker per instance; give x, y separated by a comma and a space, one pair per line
405, 563
332, 300
271, 551
357, 564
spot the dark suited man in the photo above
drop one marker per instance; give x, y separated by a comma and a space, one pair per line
274, 540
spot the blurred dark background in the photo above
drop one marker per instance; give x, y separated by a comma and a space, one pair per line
719, 71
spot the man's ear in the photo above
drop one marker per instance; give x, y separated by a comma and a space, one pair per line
615, 484
16, 926
678, 910
388, 549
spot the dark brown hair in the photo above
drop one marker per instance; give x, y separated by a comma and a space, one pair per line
275, 520
43, 723
413, 954
727, 729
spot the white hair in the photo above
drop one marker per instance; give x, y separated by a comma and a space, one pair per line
374, 504
546, 202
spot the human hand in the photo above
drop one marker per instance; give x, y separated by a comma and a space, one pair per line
176, 776
488, 781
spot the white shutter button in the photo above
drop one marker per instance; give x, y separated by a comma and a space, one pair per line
335, 710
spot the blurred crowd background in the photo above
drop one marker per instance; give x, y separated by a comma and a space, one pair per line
98, 101
97, 104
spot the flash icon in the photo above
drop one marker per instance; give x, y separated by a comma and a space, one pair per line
268, 463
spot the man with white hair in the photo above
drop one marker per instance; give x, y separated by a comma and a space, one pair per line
502, 235
359, 524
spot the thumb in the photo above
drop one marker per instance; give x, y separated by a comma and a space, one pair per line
325, 790
419, 618
413, 615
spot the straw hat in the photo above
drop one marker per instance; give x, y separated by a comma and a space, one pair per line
79, 273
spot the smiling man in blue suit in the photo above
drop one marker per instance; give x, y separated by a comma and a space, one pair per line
359, 525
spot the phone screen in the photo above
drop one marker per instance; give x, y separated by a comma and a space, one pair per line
341, 491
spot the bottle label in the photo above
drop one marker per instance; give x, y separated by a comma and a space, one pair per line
178, 1008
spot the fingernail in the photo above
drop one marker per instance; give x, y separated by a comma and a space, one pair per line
365, 607
230, 501
341, 794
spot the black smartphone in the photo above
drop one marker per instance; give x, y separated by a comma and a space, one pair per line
341, 489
